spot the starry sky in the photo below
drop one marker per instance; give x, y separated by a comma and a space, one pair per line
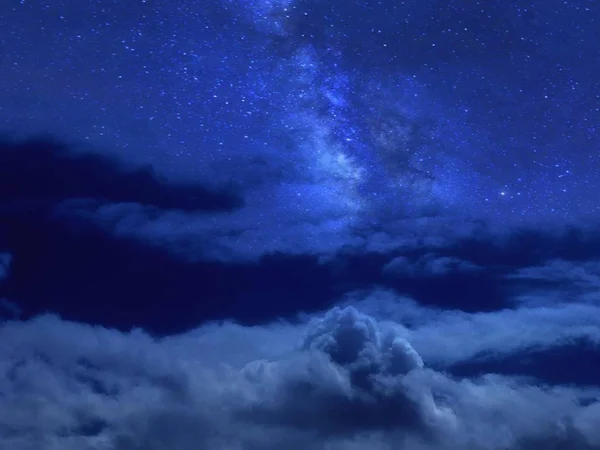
267, 224
331, 120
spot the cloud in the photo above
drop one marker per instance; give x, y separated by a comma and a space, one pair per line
309, 187
444, 337
310, 152
342, 380
584, 273
125, 281
9, 310
5, 260
354, 340
158, 262
428, 265
444, 280
156, 281
44, 171
558, 280
363, 387
234, 237
574, 361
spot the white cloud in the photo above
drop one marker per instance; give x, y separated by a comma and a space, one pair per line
343, 381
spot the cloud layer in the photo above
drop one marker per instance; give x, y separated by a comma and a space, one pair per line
340, 380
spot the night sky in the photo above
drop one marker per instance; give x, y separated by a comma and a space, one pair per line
299, 224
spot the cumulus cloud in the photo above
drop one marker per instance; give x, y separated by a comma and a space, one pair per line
445, 336
359, 381
354, 340
343, 380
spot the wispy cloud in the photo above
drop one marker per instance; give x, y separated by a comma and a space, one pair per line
558, 280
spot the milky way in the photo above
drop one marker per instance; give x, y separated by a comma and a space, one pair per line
329, 118
299, 224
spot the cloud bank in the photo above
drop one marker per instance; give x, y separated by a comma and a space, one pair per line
339, 380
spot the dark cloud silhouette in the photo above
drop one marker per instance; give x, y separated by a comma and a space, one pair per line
45, 171
5, 259
44, 175
576, 362
555, 281
9, 310
126, 283
428, 265
434, 279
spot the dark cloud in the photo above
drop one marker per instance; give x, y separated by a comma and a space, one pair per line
431, 278
44, 171
126, 283
576, 362
128, 279
445, 281
428, 265
490, 269
331, 153
9, 310
555, 281
5, 260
